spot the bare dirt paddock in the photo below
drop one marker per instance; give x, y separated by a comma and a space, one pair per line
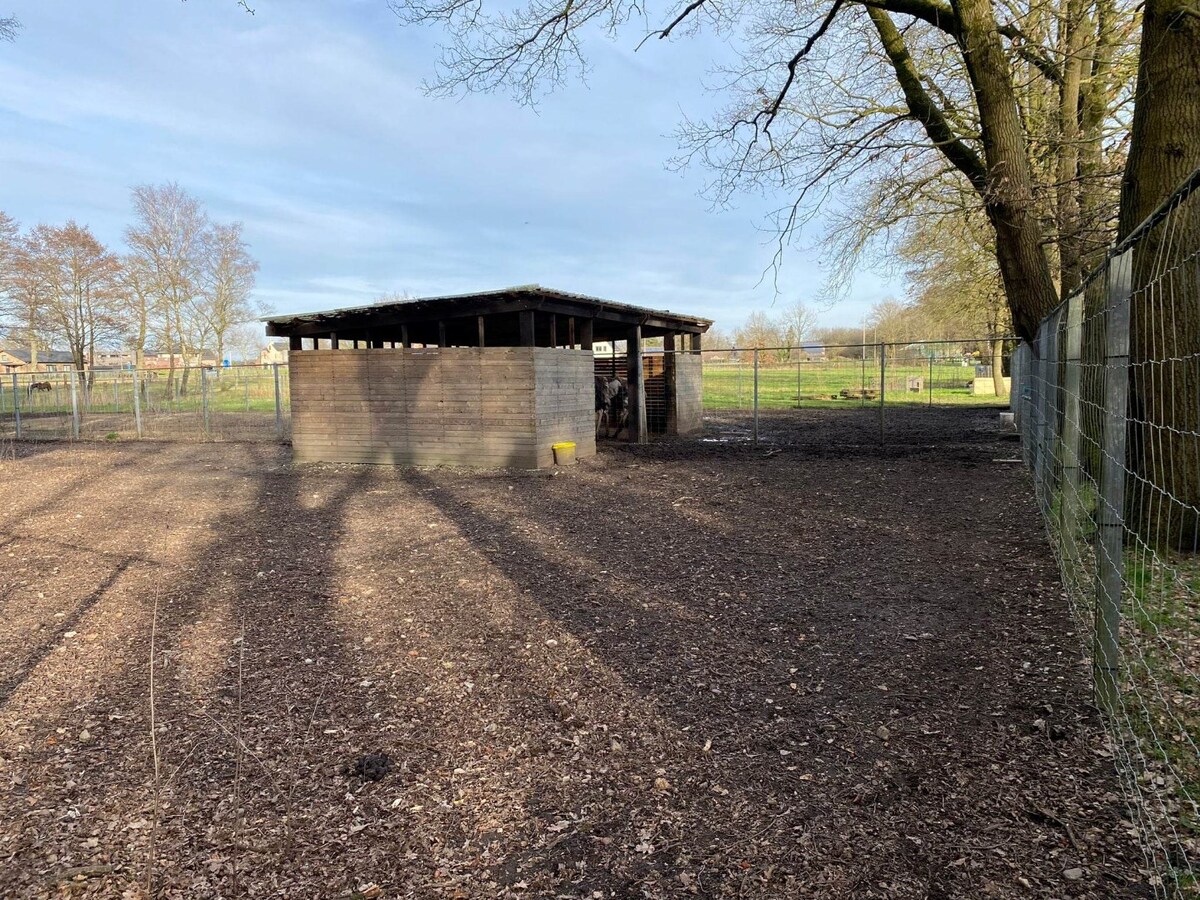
682, 670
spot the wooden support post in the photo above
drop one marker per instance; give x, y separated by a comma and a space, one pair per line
527, 333
442, 333
585, 334
571, 332
637, 386
295, 342
553, 330
479, 323
696, 343
670, 382
333, 340
404, 341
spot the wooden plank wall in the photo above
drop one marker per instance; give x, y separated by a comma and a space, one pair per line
565, 401
689, 393
464, 406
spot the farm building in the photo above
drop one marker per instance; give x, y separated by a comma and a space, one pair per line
487, 379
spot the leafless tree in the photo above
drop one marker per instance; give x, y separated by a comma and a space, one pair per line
9, 26
80, 278
168, 240
228, 276
835, 95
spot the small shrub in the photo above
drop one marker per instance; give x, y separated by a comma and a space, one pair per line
112, 436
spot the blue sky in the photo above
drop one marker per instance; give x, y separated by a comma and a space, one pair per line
307, 121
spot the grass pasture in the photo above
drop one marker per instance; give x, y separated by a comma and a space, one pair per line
807, 384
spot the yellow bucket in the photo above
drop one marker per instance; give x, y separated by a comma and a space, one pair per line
564, 453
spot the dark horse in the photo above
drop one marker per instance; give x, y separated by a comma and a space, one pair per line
612, 405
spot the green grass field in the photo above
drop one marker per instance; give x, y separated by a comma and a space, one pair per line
236, 389
819, 383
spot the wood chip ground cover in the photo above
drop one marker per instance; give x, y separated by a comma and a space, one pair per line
688, 669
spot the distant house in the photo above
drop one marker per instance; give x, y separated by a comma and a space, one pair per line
812, 350
16, 359
274, 352
114, 359
163, 360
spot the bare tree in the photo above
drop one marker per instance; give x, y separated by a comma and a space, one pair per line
228, 275
828, 94
139, 305
168, 240
9, 26
24, 290
956, 285
80, 277
797, 323
760, 331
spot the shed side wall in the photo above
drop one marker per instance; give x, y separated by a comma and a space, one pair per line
565, 402
437, 406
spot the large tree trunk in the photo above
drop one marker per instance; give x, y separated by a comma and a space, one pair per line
1008, 195
998, 367
1165, 339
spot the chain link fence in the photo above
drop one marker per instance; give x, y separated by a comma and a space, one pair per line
236, 403
1108, 407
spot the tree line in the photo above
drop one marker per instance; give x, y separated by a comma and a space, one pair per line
182, 286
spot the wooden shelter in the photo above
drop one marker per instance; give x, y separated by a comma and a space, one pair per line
489, 379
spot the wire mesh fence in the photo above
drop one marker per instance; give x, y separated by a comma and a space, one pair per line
247, 403
748, 387
1108, 406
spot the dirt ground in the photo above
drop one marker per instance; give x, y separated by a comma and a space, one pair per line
813, 668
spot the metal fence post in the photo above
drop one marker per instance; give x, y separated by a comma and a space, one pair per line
278, 403
1050, 408
931, 381
882, 386
1039, 413
204, 396
74, 405
1110, 534
862, 384
16, 405
756, 395
1069, 504
137, 404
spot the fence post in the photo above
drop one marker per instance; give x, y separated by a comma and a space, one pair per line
931, 381
862, 384
882, 387
797, 384
756, 395
1069, 501
16, 405
1038, 417
74, 405
1110, 534
278, 403
137, 404
204, 396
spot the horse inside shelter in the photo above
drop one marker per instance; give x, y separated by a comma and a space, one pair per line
485, 379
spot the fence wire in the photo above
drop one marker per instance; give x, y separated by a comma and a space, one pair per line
1108, 405
241, 403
